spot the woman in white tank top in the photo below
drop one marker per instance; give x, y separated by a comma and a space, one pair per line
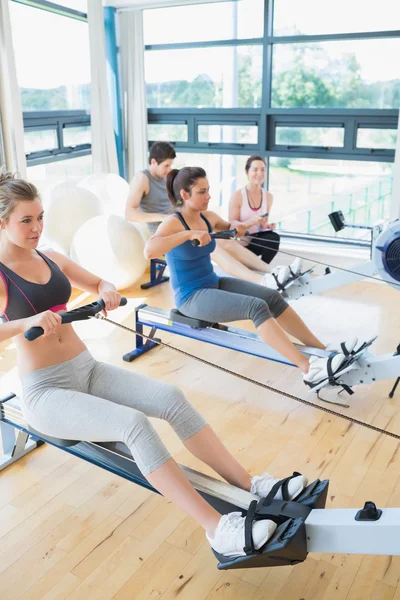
247, 260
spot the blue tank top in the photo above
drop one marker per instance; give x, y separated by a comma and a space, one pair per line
190, 267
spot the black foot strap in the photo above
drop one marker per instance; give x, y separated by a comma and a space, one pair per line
252, 516
284, 484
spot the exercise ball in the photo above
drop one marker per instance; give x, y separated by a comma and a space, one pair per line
112, 248
68, 207
144, 230
111, 189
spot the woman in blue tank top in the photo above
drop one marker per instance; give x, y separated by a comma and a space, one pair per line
201, 294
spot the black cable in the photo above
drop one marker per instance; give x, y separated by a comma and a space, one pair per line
253, 381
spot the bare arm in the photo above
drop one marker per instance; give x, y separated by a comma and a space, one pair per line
220, 224
138, 188
235, 205
84, 280
171, 234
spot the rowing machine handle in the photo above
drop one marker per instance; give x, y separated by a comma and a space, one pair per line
228, 234
79, 314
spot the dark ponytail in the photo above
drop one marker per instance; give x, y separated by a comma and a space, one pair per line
182, 179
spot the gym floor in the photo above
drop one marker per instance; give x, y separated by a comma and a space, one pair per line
70, 530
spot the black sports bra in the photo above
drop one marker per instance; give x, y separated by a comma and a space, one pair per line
25, 298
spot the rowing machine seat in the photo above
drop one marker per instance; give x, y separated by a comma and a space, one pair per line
52, 440
178, 317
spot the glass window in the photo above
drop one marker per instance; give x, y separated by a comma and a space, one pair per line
225, 174
45, 177
52, 59
204, 22
224, 77
309, 136
345, 74
376, 138
36, 140
167, 132
74, 136
307, 190
303, 17
225, 134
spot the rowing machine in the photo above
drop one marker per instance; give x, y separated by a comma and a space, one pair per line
384, 263
366, 368
304, 525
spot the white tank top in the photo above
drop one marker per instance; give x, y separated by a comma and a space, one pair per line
247, 212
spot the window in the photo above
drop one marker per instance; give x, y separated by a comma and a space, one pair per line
297, 17
239, 134
45, 177
167, 132
225, 174
307, 190
376, 138
204, 22
341, 74
39, 139
52, 59
204, 77
309, 136
75, 136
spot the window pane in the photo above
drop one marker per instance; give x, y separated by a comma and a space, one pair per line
74, 136
52, 59
167, 132
240, 134
376, 138
225, 174
42, 139
307, 190
45, 177
295, 17
204, 22
337, 74
309, 136
226, 77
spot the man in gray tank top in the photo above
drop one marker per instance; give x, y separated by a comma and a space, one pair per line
148, 201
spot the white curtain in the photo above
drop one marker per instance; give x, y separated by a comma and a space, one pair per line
10, 99
104, 151
133, 90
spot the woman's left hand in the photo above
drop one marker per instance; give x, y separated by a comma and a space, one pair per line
111, 299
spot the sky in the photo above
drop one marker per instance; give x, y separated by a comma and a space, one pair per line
52, 51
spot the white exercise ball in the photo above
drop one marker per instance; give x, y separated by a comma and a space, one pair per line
111, 189
68, 207
112, 248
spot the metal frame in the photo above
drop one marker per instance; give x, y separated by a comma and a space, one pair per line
55, 8
57, 121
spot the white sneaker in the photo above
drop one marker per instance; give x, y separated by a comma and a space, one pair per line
262, 485
317, 375
282, 274
346, 347
296, 267
229, 538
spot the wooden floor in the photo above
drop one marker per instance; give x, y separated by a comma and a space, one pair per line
71, 530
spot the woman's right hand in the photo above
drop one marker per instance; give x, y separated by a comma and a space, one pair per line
48, 321
203, 237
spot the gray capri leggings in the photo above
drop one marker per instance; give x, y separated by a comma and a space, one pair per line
234, 300
83, 399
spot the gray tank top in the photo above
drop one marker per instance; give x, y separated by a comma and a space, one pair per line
156, 201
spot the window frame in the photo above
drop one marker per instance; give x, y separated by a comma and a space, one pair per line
57, 120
